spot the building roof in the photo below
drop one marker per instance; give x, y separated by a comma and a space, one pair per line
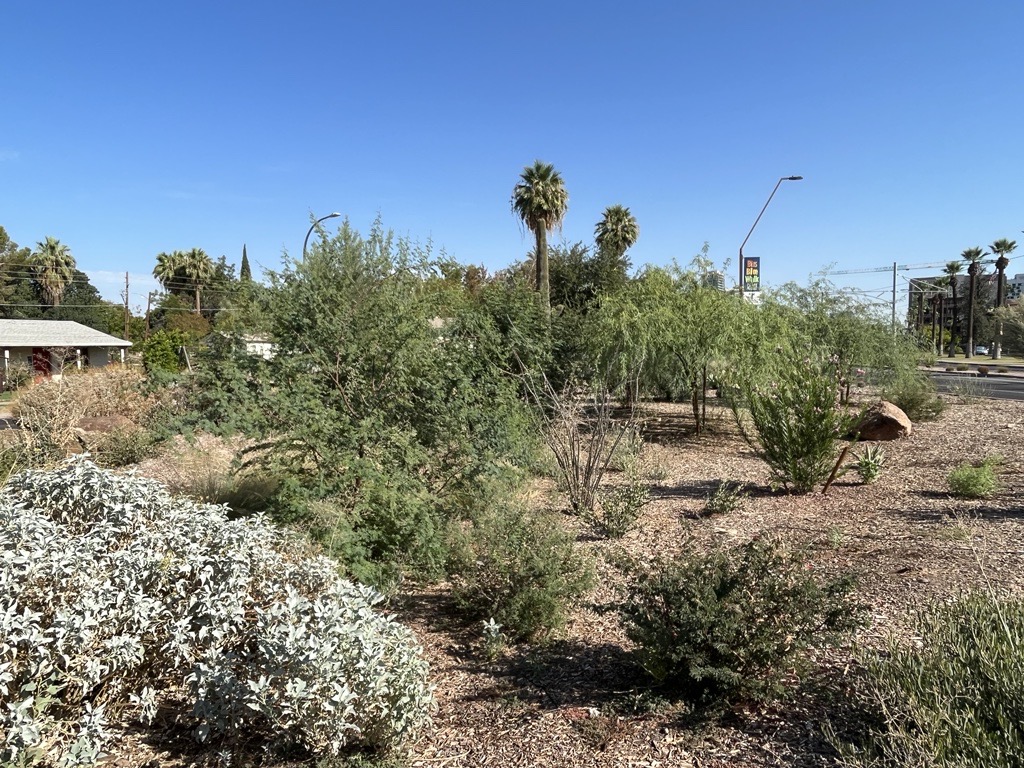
54, 333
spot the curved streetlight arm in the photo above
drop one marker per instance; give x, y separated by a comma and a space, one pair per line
312, 227
779, 182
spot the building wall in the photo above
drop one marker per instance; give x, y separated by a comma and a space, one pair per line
94, 357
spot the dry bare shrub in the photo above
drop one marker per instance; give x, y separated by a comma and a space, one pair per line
50, 412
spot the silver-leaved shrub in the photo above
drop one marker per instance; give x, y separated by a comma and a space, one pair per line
116, 597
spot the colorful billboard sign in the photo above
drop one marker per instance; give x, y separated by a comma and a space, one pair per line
752, 273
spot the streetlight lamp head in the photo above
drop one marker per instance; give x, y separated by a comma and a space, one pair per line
332, 215
794, 178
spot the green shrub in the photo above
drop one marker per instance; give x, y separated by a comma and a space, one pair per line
970, 481
729, 624
798, 421
117, 593
724, 499
953, 697
983, 370
869, 463
162, 350
963, 367
914, 393
124, 447
620, 506
1002, 369
518, 568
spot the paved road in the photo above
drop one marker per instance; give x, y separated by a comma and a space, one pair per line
1000, 388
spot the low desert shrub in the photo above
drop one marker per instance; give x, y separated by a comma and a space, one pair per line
914, 393
728, 624
519, 569
983, 370
621, 505
1002, 369
115, 592
953, 697
970, 481
797, 422
584, 437
124, 447
726, 498
963, 367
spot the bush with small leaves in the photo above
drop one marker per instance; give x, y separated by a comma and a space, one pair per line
112, 591
969, 481
915, 394
953, 697
621, 505
724, 499
518, 568
727, 625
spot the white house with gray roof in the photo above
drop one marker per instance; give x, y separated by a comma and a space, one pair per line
48, 346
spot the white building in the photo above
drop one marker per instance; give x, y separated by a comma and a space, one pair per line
49, 346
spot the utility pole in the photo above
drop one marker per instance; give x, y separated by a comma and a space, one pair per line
894, 298
126, 314
149, 303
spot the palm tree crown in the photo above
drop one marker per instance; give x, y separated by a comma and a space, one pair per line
54, 267
540, 200
180, 269
617, 231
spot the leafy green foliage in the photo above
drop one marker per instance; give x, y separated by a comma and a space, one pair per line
797, 422
729, 624
726, 498
914, 393
969, 481
162, 351
953, 698
385, 409
518, 568
116, 592
621, 505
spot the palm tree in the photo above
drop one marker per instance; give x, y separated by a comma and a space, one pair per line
166, 269
540, 200
54, 267
973, 257
1002, 248
198, 268
952, 271
617, 231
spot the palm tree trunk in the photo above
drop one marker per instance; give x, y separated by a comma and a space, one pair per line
198, 308
543, 273
970, 311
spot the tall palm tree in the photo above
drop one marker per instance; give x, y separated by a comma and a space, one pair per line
540, 200
1001, 248
973, 257
617, 231
54, 267
952, 272
198, 268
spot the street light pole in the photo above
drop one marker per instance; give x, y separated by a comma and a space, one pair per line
312, 227
784, 178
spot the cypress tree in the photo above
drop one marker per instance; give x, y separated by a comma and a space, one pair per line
245, 272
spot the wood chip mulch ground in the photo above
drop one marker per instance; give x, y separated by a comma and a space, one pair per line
580, 701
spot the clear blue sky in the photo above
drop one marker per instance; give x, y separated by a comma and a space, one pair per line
132, 128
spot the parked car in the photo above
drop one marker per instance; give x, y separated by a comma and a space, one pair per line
981, 349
